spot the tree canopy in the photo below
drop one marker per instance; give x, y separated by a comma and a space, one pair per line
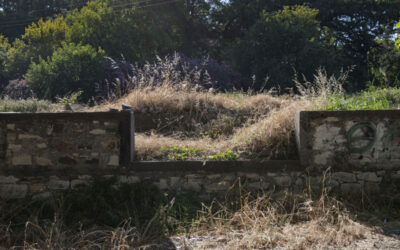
260, 39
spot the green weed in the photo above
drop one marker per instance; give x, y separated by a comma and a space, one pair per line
371, 99
182, 153
228, 155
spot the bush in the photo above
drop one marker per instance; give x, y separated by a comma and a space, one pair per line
72, 68
4, 46
177, 70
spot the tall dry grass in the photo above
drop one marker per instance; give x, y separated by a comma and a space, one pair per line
283, 221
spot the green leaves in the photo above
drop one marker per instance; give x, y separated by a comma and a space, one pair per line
71, 68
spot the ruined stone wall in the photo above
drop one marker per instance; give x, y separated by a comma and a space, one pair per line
356, 140
62, 140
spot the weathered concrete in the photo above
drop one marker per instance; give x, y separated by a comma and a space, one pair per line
343, 139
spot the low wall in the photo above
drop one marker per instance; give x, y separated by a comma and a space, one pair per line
43, 153
208, 180
356, 140
60, 140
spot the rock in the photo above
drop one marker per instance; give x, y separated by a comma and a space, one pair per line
22, 160
44, 162
369, 176
113, 161
13, 191
344, 177
97, 132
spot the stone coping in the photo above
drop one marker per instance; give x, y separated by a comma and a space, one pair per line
14, 116
161, 166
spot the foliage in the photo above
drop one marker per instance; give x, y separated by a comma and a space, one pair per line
71, 68
17, 89
398, 36
281, 43
181, 153
4, 47
44, 37
25, 106
384, 64
371, 99
228, 155
177, 70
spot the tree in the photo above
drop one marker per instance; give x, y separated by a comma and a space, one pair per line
384, 64
70, 69
282, 43
4, 47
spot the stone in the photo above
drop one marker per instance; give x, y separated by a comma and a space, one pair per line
36, 188
161, 184
41, 145
13, 191
113, 161
44, 162
254, 176
128, 179
97, 132
350, 187
11, 137
174, 181
14, 147
213, 176
369, 176
192, 186
283, 181
11, 126
41, 196
221, 186
22, 160
28, 136
79, 182
8, 180
58, 184
344, 177
67, 160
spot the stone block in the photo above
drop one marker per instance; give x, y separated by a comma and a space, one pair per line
161, 184
221, 186
351, 187
283, 181
97, 132
14, 147
11, 126
128, 179
344, 177
369, 176
43, 162
192, 186
41, 145
28, 136
58, 184
22, 160
113, 161
79, 182
8, 180
13, 191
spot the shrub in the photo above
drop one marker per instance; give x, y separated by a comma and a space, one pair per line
177, 70
4, 46
72, 68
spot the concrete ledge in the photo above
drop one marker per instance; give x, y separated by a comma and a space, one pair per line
161, 166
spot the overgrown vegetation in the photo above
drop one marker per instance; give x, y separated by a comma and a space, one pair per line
124, 216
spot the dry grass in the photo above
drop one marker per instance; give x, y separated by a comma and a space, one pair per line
270, 220
281, 221
255, 126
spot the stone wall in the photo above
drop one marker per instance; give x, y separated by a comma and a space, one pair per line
208, 180
356, 140
64, 140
